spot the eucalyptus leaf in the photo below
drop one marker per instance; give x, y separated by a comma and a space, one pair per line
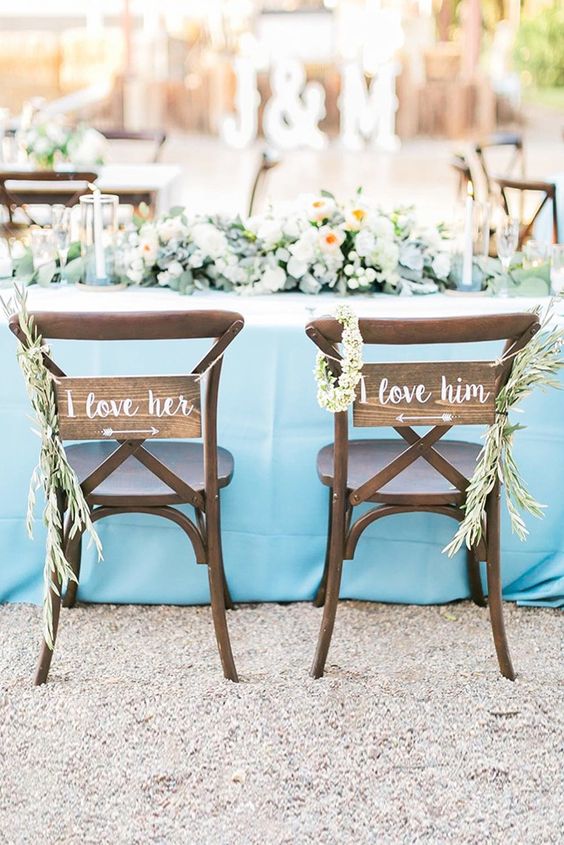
73, 271
45, 273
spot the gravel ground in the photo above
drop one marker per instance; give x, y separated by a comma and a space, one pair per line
411, 737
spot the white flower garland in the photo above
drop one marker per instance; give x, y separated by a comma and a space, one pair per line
337, 394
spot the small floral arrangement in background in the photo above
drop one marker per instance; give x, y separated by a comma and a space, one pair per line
310, 245
49, 142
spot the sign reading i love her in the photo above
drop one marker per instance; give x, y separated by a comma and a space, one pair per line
128, 408
450, 393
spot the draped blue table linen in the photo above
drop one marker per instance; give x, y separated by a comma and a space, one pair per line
274, 513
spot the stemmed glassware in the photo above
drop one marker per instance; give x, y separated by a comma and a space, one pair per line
507, 237
61, 226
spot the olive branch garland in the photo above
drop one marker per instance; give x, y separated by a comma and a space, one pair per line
536, 365
53, 472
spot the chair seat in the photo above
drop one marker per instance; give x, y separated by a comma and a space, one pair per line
133, 484
420, 483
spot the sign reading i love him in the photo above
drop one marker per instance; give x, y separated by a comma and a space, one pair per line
128, 408
426, 393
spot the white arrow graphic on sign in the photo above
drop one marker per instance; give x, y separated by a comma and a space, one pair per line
442, 417
109, 432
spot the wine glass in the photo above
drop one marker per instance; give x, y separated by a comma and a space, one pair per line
60, 224
557, 270
507, 237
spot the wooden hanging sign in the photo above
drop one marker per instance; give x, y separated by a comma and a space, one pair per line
426, 393
128, 408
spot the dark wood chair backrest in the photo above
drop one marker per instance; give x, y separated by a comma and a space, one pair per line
156, 137
501, 140
522, 188
439, 395
14, 196
132, 409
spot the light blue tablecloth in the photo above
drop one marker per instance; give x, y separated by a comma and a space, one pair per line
275, 511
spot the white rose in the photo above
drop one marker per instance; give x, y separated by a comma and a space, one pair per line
291, 228
296, 268
175, 269
196, 260
383, 228
134, 275
273, 279
441, 265
171, 228
305, 247
210, 240
270, 232
163, 278
365, 243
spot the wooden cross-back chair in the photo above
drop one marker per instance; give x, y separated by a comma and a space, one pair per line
139, 472
522, 188
156, 137
269, 159
19, 190
512, 141
415, 472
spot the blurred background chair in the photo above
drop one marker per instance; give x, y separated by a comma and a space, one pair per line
269, 159
500, 142
25, 194
527, 194
153, 139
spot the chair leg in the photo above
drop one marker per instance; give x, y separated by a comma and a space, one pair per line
474, 579
319, 599
334, 571
220, 621
73, 553
218, 589
494, 586
46, 653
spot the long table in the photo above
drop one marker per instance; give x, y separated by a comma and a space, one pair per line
274, 515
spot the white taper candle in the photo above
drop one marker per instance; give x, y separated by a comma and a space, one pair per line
99, 257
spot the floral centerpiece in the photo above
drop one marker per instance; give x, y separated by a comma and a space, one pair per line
313, 244
310, 245
48, 143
